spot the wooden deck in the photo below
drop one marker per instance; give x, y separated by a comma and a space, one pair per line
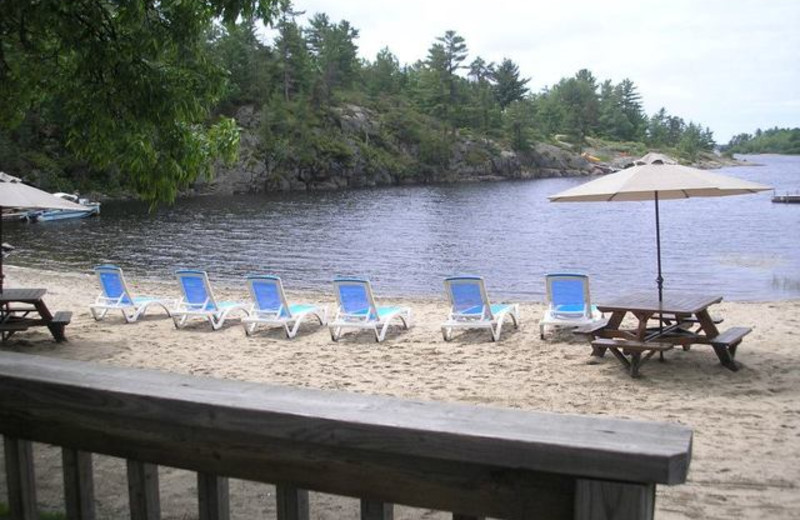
472, 461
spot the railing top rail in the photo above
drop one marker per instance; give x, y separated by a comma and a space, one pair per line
82, 399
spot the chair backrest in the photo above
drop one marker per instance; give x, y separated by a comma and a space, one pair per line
354, 297
267, 294
196, 289
112, 282
467, 295
568, 293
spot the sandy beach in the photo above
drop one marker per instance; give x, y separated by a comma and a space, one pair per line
746, 459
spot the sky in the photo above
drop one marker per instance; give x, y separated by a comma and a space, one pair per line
730, 65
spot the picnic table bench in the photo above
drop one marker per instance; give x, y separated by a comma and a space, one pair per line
22, 309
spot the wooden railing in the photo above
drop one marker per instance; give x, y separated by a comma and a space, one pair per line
471, 461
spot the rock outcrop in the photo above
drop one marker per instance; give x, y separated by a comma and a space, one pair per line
360, 161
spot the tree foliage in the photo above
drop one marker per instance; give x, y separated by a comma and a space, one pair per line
774, 140
129, 84
140, 88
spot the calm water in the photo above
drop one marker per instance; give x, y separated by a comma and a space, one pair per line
407, 239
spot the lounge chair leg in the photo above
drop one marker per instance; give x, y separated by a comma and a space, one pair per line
446, 334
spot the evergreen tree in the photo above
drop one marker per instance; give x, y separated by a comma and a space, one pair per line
482, 74
383, 76
334, 53
508, 85
580, 103
293, 59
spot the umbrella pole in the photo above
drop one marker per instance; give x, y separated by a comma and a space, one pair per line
1, 250
659, 279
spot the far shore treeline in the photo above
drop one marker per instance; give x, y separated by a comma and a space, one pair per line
141, 97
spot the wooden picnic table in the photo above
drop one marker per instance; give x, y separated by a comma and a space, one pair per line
21, 309
679, 319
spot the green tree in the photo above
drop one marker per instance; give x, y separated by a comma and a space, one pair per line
631, 105
445, 58
335, 55
293, 59
508, 85
579, 101
132, 82
383, 76
247, 61
481, 74
519, 119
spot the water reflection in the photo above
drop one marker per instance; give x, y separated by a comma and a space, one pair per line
407, 239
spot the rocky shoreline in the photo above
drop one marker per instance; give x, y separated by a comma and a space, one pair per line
471, 160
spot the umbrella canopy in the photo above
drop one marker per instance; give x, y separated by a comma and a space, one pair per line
15, 194
665, 181
653, 157
655, 181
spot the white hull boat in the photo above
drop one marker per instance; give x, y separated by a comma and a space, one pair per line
92, 208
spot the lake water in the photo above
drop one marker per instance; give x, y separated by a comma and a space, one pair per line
407, 239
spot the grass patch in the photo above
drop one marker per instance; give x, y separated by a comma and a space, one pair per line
5, 514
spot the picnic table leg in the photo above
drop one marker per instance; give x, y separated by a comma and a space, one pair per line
724, 353
725, 357
56, 329
636, 361
613, 324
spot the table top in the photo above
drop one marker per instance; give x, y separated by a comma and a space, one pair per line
674, 302
21, 295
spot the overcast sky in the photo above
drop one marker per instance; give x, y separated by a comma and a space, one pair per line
731, 65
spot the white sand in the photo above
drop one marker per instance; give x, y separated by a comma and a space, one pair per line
746, 460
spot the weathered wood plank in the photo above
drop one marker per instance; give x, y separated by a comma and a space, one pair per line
376, 510
20, 478
213, 497
78, 484
292, 503
143, 491
598, 500
442, 456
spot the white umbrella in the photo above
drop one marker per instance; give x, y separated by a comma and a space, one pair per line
15, 194
656, 181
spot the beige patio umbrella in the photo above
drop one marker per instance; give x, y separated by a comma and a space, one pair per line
657, 181
15, 194
655, 158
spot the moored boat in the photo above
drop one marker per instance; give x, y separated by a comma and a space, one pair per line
92, 208
787, 198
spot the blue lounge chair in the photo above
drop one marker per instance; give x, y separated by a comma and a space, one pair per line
356, 309
270, 307
198, 301
568, 303
116, 296
470, 308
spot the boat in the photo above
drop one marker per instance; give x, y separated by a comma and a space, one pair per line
787, 198
44, 215
12, 214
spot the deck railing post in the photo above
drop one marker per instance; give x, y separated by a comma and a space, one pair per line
20, 478
78, 484
375, 510
292, 503
143, 491
602, 500
213, 497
